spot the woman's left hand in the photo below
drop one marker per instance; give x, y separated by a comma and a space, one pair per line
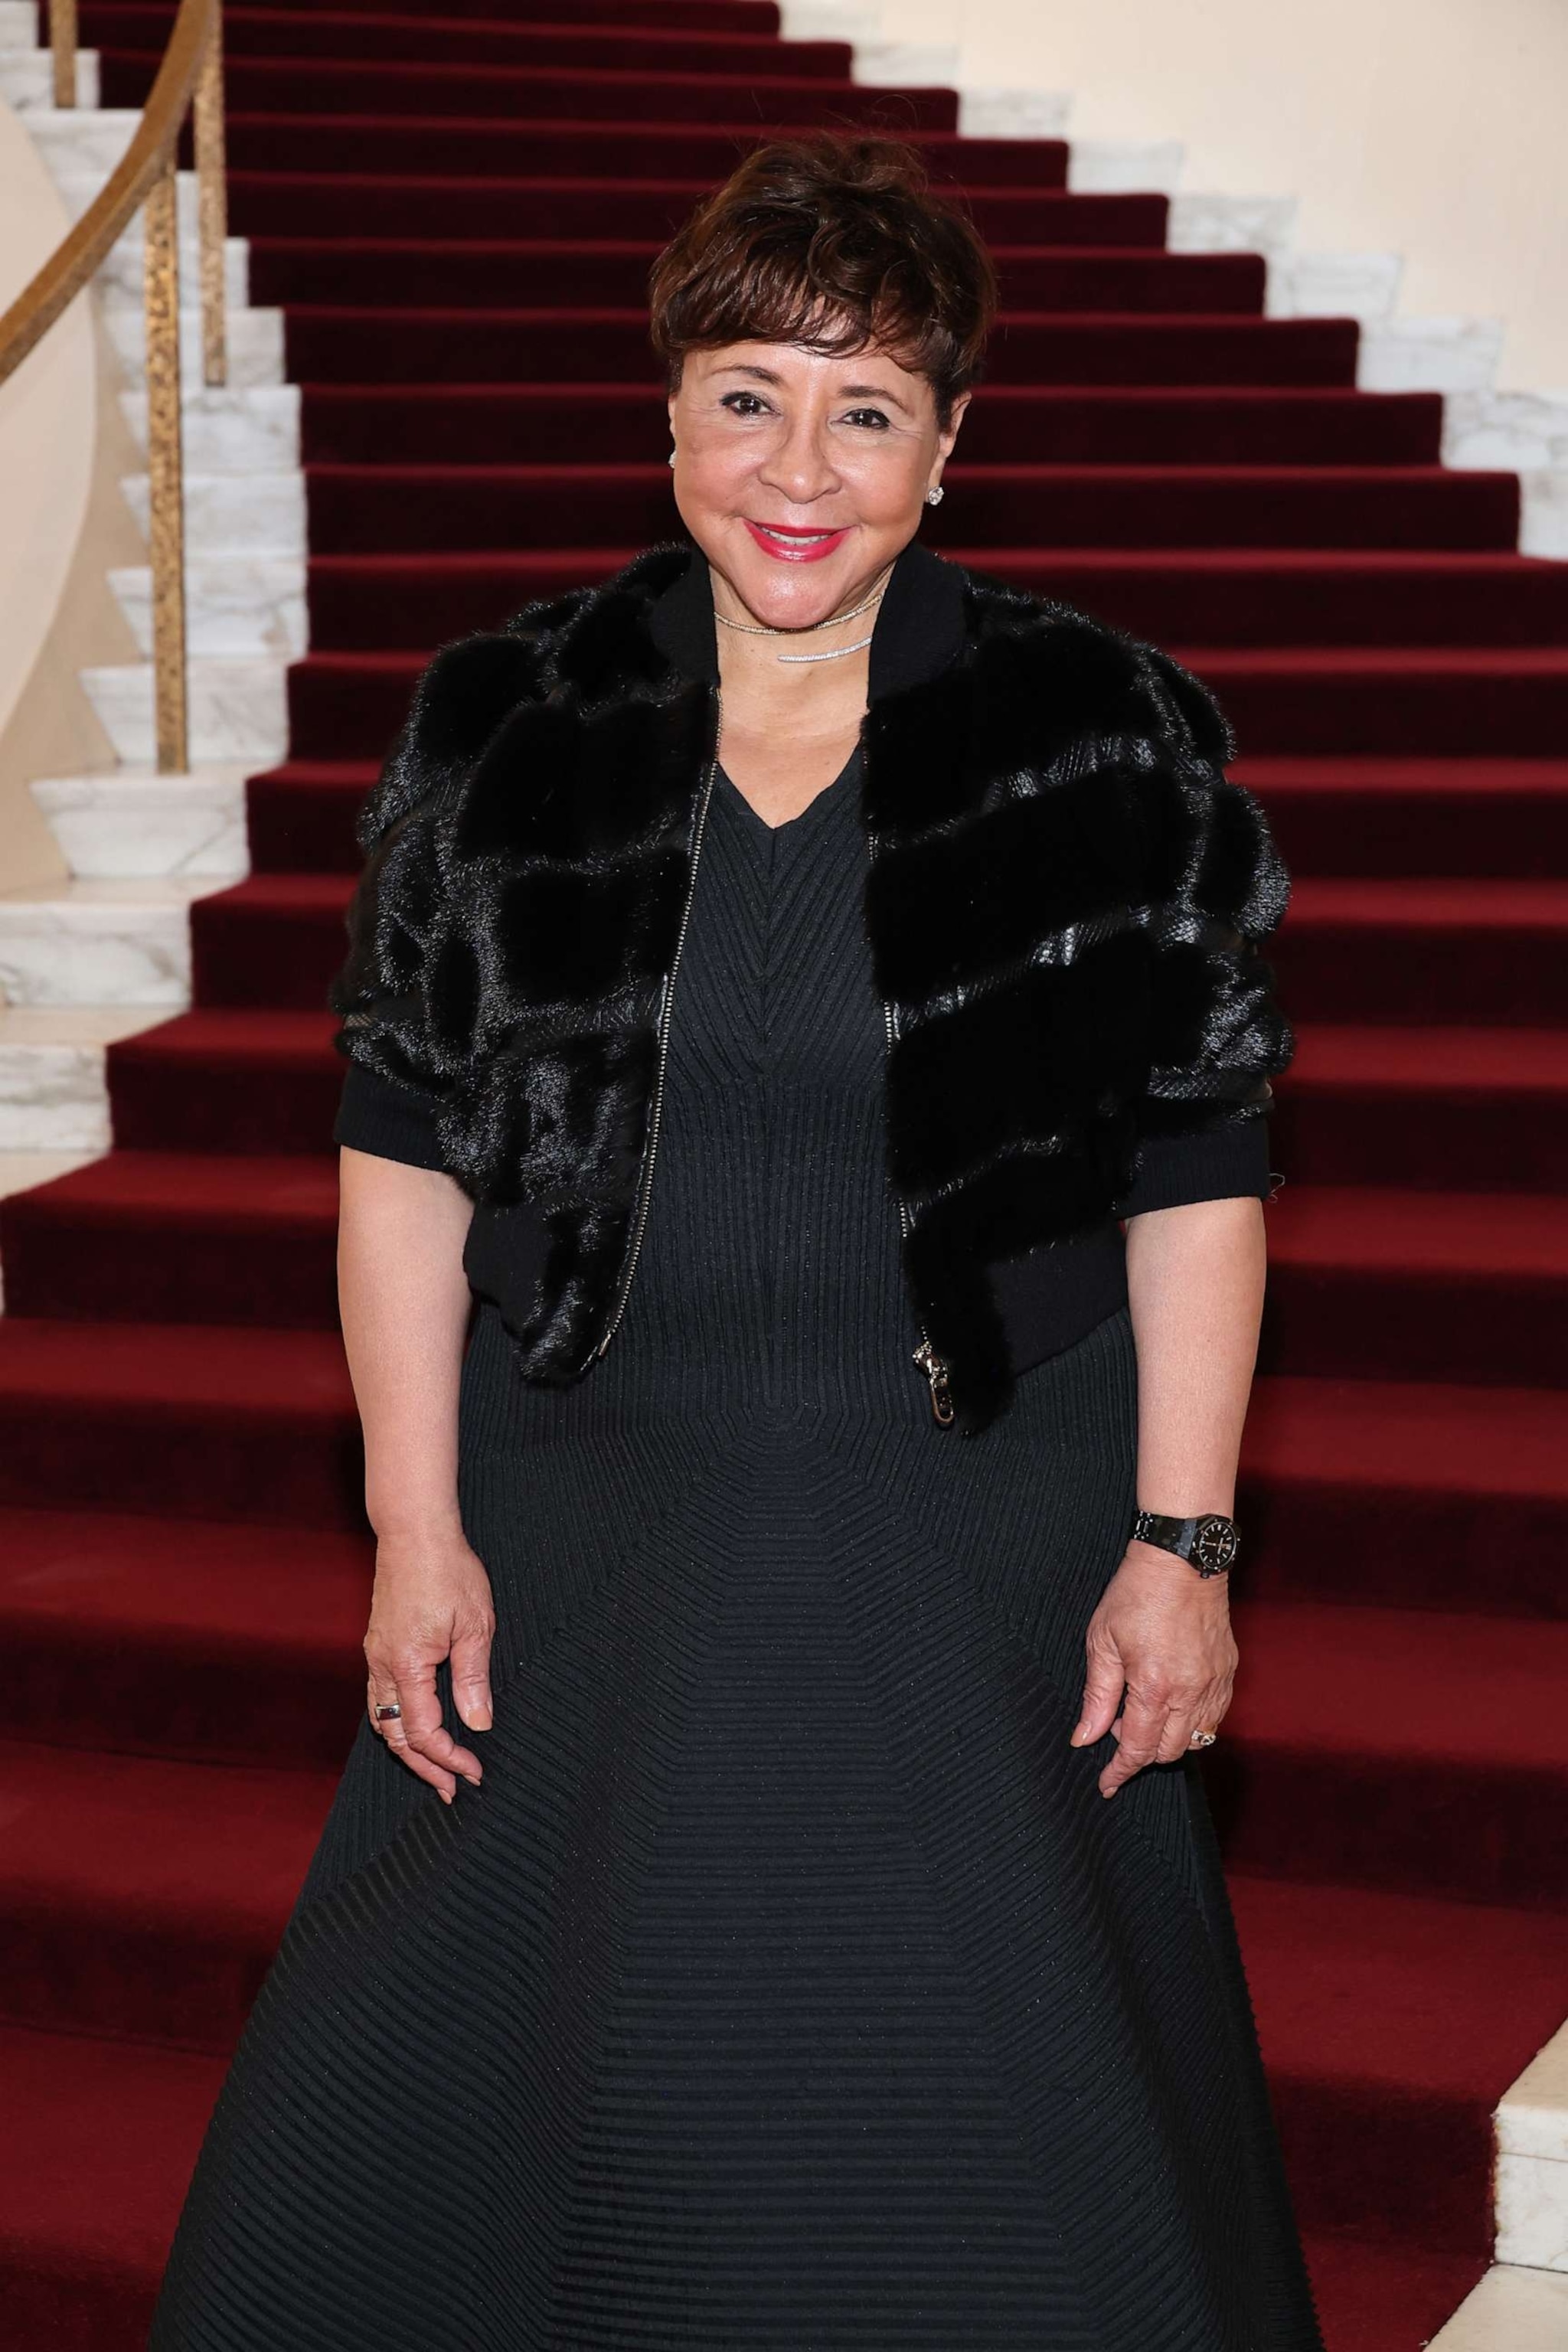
1162, 1663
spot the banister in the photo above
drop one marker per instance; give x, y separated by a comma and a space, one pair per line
191, 75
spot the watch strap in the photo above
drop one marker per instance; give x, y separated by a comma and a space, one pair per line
1208, 1543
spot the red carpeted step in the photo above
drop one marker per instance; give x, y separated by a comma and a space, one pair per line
332, 344
336, 38
235, 1080
301, 815
1226, 596
412, 424
1460, 703
177, 1237
1391, 2025
755, 17
1435, 951
366, 509
1426, 1106
479, 148
1399, 1749
540, 272
411, 93
1418, 1284
143, 1898
1417, 817
276, 937
97, 2141
343, 203
214, 1643
183, 1420
1419, 1494
1377, 2296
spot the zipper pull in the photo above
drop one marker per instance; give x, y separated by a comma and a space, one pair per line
936, 1372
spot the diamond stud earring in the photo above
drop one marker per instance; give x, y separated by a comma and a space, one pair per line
934, 498
672, 457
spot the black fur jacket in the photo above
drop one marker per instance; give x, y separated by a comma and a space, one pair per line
1064, 895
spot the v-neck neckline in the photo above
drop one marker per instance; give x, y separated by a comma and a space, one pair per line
791, 825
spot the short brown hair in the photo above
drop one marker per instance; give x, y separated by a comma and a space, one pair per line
830, 242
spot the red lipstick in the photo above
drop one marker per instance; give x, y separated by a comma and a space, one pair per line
788, 543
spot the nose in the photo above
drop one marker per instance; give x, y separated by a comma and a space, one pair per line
800, 464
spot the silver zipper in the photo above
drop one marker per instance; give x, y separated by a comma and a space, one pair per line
655, 1098
925, 1355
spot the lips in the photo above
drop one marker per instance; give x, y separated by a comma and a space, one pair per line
787, 544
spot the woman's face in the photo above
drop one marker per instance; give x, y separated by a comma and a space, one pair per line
800, 476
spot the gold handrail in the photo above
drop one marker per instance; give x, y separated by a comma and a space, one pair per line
191, 75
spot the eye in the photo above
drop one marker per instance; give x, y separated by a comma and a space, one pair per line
745, 403
873, 419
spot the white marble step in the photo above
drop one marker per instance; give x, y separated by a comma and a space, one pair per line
118, 278
1210, 224
1531, 2133
101, 943
1524, 431
231, 428
251, 514
1364, 286
1125, 167
238, 711
1513, 2310
54, 1095
73, 140
19, 25
134, 823
986, 113
237, 607
1429, 355
27, 79
255, 341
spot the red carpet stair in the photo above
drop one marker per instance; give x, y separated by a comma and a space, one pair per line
456, 216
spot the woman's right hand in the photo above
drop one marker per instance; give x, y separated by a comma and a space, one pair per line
432, 1601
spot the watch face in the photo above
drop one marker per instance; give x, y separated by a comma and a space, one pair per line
1214, 1543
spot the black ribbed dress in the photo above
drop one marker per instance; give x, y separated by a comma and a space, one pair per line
788, 1984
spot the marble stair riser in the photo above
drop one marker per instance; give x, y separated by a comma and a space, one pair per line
254, 344
1511, 2311
113, 948
1526, 432
77, 139
237, 607
243, 429
238, 711
1125, 167
18, 24
27, 78
249, 515
119, 278
1531, 2128
1210, 224
1364, 286
53, 1098
124, 825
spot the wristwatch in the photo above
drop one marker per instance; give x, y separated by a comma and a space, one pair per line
1209, 1543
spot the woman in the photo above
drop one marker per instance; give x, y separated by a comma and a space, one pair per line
777, 978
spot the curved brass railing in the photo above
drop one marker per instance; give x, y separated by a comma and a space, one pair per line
190, 80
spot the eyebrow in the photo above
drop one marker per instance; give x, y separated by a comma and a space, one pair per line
847, 391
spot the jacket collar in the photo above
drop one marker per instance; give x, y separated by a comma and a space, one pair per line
919, 629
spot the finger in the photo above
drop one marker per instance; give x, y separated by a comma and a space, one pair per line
1142, 1727
471, 1677
1183, 1719
1103, 1684
384, 1692
427, 1735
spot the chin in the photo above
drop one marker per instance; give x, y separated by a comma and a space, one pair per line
786, 591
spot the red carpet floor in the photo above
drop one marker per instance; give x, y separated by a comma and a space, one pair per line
456, 214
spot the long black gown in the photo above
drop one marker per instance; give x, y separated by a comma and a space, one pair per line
788, 1984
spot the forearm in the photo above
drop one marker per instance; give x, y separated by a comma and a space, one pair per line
1196, 1280
403, 1300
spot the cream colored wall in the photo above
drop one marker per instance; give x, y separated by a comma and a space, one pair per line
56, 611
1436, 129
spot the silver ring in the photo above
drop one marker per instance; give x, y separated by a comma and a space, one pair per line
1203, 1739
383, 1713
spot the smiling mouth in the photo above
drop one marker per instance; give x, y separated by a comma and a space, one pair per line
795, 546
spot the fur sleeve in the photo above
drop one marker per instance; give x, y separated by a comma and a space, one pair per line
1219, 890
397, 1005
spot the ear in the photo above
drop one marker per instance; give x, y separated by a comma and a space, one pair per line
944, 441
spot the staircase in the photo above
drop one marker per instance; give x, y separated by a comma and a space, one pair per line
454, 218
